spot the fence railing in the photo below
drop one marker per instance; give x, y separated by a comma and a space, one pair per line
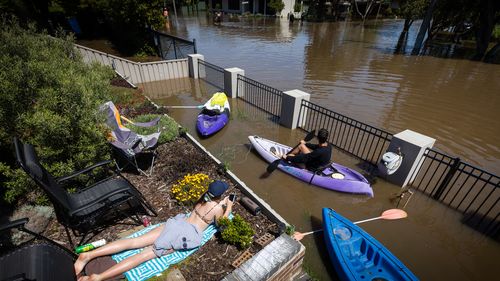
135, 72
260, 95
171, 47
211, 73
461, 186
359, 139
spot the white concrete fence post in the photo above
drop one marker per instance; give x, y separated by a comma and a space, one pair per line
231, 82
193, 65
412, 146
290, 108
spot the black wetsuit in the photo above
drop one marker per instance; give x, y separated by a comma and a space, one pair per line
319, 156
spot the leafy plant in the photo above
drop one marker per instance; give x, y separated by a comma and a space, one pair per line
290, 229
189, 190
277, 5
169, 128
296, 7
236, 232
49, 98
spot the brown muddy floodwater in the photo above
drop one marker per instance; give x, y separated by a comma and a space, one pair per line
352, 70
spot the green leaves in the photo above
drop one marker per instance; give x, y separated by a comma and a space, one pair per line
50, 98
236, 231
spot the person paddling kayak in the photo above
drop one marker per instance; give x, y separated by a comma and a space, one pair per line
311, 156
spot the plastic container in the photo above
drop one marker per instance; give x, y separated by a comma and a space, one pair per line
90, 246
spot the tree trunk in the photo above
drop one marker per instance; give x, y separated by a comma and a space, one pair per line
402, 42
423, 28
408, 23
486, 25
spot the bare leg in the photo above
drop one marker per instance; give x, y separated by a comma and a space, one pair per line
118, 246
123, 266
302, 148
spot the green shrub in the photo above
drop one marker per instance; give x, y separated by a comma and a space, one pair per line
169, 128
50, 98
236, 231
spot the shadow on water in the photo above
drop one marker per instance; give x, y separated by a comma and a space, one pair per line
319, 241
485, 225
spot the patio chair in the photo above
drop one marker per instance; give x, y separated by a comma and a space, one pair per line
127, 145
92, 207
44, 260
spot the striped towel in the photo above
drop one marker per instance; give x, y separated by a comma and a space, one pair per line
156, 266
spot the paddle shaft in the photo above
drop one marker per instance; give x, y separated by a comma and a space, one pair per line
184, 106
358, 222
390, 215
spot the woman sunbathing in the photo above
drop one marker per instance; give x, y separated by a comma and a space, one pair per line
181, 232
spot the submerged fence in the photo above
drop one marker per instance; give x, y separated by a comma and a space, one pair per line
359, 139
260, 95
211, 73
461, 186
172, 47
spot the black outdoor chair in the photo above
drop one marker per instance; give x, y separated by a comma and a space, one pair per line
41, 260
91, 208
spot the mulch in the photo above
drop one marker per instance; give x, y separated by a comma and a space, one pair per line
176, 159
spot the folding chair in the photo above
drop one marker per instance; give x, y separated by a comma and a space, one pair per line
91, 208
127, 144
41, 261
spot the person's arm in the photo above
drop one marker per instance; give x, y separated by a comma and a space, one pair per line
229, 207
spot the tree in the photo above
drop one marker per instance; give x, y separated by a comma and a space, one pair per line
368, 8
412, 10
277, 5
50, 98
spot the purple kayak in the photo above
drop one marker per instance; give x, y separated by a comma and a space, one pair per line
211, 124
334, 177
214, 115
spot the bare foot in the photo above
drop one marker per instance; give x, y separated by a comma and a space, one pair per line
80, 263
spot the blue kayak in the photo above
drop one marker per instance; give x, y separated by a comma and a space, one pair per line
356, 255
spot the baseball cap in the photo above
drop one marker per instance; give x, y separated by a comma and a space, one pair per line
217, 188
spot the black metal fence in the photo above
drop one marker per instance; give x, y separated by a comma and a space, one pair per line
359, 139
212, 74
260, 95
461, 186
172, 47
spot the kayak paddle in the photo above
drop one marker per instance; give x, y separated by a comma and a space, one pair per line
275, 163
184, 106
391, 214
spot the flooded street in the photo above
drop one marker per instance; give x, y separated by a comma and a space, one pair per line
352, 70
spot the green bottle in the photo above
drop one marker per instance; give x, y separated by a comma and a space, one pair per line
90, 246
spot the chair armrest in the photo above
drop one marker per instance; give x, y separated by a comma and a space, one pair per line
151, 123
103, 197
123, 146
86, 170
13, 224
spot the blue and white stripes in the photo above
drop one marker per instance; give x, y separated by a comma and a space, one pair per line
157, 265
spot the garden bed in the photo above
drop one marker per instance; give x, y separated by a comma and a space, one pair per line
176, 159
